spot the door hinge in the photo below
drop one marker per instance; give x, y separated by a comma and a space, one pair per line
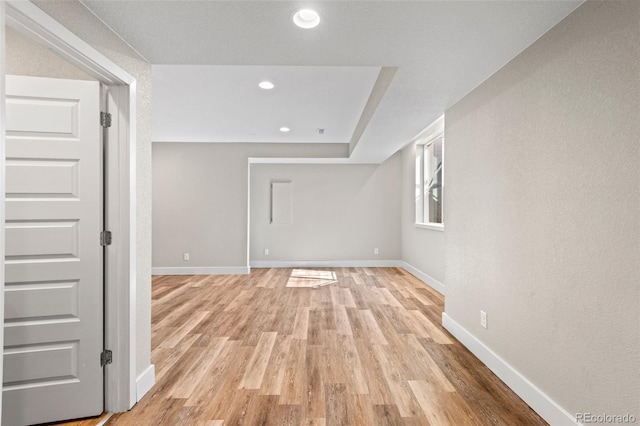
106, 357
105, 238
105, 119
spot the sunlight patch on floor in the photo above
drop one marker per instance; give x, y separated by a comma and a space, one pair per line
310, 278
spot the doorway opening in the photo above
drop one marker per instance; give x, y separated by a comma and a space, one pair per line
120, 391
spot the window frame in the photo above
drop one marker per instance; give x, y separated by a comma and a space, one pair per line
427, 137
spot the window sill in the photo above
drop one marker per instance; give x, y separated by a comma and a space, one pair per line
432, 226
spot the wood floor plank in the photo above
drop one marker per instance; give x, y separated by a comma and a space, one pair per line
321, 298
301, 324
240, 301
419, 296
336, 295
398, 319
185, 329
252, 378
313, 422
420, 358
314, 401
332, 366
347, 298
441, 407
227, 367
295, 374
339, 412
389, 297
342, 321
314, 330
385, 415
210, 423
366, 349
285, 320
379, 392
372, 328
275, 372
224, 399
353, 371
397, 382
360, 404
286, 415
436, 334
198, 371
168, 357
377, 297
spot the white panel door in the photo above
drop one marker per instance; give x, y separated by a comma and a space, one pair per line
54, 277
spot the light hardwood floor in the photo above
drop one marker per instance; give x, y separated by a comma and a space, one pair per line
366, 349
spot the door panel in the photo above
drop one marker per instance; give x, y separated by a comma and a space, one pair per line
39, 364
56, 117
33, 239
53, 263
42, 178
41, 300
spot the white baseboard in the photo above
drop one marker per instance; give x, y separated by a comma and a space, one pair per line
425, 278
324, 263
547, 408
233, 270
145, 381
200, 270
104, 420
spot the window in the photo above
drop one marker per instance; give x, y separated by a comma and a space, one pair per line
429, 176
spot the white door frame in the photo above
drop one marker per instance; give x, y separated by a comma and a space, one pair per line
120, 279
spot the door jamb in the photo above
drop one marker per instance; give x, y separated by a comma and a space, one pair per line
2, 185
120, 280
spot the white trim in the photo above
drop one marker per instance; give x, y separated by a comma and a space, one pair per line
248, 210
261, 160
541, 403
30, 20
424, 277
104, 421
120, 283
242, 270
145, 381
128, 245
433, 132
432, 226
201, 270
324, 263
2, 183
122, 254
430, 132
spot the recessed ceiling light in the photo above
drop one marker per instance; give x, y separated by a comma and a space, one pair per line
284, 129
266, 85
306, 18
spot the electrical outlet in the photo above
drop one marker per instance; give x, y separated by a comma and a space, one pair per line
376, 251
483, 319
266, 252
185, 256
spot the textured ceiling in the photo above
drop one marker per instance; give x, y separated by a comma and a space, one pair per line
442, 49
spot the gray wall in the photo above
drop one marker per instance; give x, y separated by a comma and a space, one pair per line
421, 248
26, 57
200, 199
78, 19
340, 212
542, 211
